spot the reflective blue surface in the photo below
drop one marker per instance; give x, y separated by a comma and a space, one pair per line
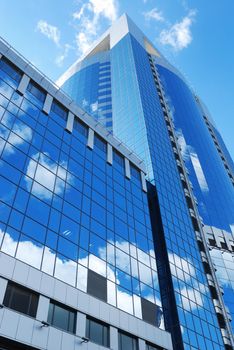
136, 107
139, 122
212, 186
64, 210
93, 94
211, 183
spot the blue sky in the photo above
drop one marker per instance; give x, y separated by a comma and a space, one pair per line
195, 35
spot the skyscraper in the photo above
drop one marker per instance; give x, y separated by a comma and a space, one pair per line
102, 242
129, 87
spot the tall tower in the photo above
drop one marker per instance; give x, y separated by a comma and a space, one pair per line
126, 84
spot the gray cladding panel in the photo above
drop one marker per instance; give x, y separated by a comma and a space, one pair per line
97, 285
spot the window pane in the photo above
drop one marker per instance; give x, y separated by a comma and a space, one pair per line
21, 300
72, 323
59, 109
60, 318
127, 342
36, 91
33, 305
97, 332
50, 313
106, 336
10, 69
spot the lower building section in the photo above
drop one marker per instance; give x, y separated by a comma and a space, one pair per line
40, 312
8, 344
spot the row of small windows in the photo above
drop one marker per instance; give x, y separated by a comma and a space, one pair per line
25, 301
40, 94
15, 73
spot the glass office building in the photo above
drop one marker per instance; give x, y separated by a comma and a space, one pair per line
77, 255
189, 171
106, 216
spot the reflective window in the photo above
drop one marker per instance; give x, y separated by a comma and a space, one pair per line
10, 69
97, 332
21, 299
118, 158
127, 342
36, 91
62, 317
81, 127
65, 211
135, 172
59, 109
100, 143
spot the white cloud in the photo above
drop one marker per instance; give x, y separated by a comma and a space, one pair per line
45, 173
183, 269
154, 14
30, 253
9, 244
188, 153
179, 36
66, 270
223, 259
60, 59
88, 20
199, 172
17, 137
185, 148
180, 265
94, 106
50, 31
188, 294
124, 301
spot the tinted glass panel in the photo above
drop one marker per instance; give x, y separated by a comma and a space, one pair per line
61, 317
21, 300
59, 109
127, 342
10, 69
97, 332
97, 285
36, 91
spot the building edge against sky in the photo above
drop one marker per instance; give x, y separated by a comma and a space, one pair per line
138, 85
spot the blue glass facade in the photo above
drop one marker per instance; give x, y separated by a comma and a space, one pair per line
193, 300
187, 302
94, 92
65, 211
140, 119
211, 184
